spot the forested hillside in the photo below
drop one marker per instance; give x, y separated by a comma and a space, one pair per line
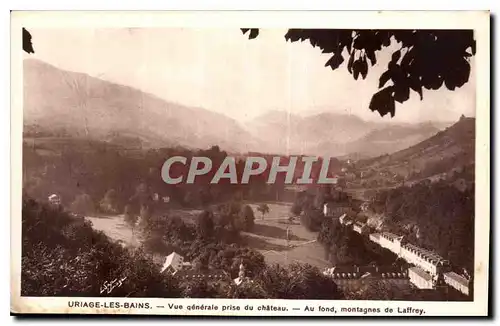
437, 216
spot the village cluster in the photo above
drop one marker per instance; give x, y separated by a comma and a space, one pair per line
428, 270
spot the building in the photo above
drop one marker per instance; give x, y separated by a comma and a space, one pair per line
420, 278
361, 228
54, 200
208, 276
354, 277
241, 276
343, 219
375, 237
425, 259
391, 241
336, 209
174, 263
457, 282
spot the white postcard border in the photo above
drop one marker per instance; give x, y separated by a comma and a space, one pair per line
478, 20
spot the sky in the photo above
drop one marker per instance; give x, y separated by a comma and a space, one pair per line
221, 70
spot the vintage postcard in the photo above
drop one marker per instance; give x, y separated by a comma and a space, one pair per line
250, 163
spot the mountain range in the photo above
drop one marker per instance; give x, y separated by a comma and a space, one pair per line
339, 135
84, 105
87, 106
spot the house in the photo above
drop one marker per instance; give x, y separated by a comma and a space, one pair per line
420, 278
174, 263
457, 282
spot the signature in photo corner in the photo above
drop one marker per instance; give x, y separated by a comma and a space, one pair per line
110, 286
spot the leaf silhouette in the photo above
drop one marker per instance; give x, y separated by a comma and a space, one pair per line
431, 58
384, 78
363, 67
383, 102
335, 61
27, 45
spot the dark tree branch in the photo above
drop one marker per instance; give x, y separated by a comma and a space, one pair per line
427, 58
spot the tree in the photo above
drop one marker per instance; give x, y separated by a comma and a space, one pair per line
246, 290
205, 225
426, 58
199, 288
296, 209
312, 219
376, 290
229, 258
145, 214
247, 217
298, 281
109, 204
263, 209
130, 217
83, 204
63, 256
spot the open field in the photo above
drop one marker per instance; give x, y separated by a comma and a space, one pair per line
269, 235
269, 238
114, 227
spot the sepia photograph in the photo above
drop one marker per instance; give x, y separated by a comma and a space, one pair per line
264, 162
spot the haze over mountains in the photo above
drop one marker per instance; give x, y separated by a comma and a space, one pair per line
331, 134
87, 106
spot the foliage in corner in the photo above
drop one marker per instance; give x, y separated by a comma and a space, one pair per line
426, 58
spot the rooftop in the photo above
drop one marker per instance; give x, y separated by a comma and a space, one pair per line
457, 278
390, 236
420, 272
211, 274
429, 255
173, 258
353, 272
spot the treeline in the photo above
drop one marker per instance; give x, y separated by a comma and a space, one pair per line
446, 166
93, 176
63, 256
220, 226
437, 216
